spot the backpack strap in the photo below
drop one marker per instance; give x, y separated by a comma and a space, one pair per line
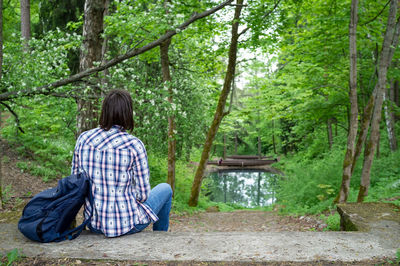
75, 232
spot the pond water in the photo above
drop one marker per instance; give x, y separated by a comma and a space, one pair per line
245, 188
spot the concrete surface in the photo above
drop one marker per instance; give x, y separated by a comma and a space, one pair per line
217, 246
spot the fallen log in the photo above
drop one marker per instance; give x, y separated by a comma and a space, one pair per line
242, 163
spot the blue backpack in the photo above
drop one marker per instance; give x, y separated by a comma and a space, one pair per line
48, 215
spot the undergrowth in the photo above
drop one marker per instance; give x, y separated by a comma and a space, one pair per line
310, 186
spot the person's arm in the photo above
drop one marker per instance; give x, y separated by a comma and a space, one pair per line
141, 172
75, 158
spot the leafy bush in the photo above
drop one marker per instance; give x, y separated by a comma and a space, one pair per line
12, 256
310, 186
333, 221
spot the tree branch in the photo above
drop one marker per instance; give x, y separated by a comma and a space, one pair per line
369, 21
47, 89
15, 115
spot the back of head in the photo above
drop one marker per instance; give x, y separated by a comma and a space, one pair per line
117, 110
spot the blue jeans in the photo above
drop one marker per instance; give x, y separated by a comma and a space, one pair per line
159, 201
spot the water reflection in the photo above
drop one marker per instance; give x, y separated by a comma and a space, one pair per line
246, 188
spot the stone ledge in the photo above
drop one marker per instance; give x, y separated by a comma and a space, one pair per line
241, 247
369, 216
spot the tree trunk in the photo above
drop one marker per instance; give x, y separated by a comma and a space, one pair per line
171, 119
25, 22
389, 119
236, 142
273, 137
104, 49
219, 112
362, 135
329, 131
259, 146
91, 52
389, 44
353, 121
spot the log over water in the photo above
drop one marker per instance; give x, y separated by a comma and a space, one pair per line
242, 163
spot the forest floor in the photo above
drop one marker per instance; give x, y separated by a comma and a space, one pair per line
20, 186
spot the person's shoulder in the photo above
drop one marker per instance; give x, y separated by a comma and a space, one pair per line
87, 134
131, 138
134, 142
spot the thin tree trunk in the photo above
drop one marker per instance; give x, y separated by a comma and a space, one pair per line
273, 136
219, 113
104, 50
236, 142
329, 132
171, 119
389, 44
259, 146
25, 22
91, 52
353, 121
389, 119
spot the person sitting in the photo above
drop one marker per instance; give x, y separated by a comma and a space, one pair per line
116, 164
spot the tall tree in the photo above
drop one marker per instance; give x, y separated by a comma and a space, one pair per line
91, 52
166, 74
353, 123
25, 22
389, 43
164, 47
219, 112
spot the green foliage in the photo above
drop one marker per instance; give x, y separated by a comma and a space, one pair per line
46, 62
385, 179
48, 139
7, 194
310, 186
286, 102
12, 256
398, 255
333, 221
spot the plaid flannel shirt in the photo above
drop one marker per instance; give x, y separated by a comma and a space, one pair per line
116, 163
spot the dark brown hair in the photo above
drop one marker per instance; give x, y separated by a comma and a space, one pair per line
117, 110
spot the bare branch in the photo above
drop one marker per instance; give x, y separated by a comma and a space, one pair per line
15, 115
47, 89
369, 21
